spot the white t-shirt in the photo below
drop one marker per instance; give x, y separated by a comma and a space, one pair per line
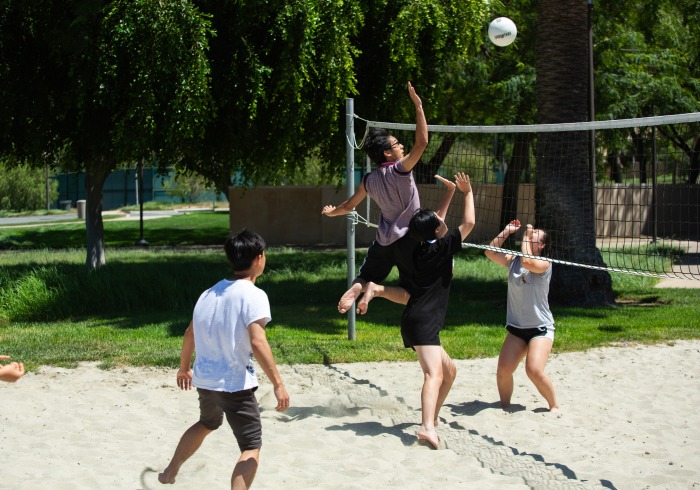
224, 356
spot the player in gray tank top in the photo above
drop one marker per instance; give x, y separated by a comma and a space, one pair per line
530, 323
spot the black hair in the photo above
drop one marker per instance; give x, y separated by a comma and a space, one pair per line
423, 225
242, 248
376, 143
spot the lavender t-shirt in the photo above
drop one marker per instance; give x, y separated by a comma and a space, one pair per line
396, 194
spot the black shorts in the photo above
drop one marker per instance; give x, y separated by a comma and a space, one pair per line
380, 259
527, 334
242, 414
421, 325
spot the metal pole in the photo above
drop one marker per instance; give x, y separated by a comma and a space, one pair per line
141, 241
591, 113
47, 187
350, 177
655, 200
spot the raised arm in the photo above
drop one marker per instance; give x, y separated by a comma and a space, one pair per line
527, 247
469, 218
346, 206
421, 141
444, 205
501, 257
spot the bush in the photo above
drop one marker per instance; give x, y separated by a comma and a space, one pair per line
23, 188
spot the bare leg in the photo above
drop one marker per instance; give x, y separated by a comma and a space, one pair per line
188, 445
512, 352
537, 354
430, 359
449, 373
347, 299
392, 293
244, 472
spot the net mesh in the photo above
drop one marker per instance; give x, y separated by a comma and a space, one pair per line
617, 195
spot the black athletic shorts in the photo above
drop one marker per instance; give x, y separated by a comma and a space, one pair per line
527, 334
381, 258
242, 414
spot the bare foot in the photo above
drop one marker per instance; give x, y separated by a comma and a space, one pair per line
554, 410
347, 300
168, 475
430, 436
370, 290
165, 478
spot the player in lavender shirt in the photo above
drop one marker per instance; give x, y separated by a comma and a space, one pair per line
392, 187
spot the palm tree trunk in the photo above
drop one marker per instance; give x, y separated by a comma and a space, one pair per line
563, 183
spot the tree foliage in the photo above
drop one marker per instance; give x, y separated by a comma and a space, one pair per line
100, 84
23, 188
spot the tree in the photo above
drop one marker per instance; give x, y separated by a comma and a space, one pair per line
647, 58
564, 187
281, 71
102, 83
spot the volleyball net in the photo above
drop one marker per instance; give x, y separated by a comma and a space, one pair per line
619, 195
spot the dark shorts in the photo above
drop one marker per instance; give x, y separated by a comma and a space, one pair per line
420, 325
242, 414
527, 334
380, 259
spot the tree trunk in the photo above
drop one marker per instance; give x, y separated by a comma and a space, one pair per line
94, 183
519, 160
563, 192
615, 163
694, 163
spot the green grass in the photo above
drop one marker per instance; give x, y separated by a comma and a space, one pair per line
135, 310
202, 228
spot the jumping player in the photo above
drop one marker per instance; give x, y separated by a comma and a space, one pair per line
392, 187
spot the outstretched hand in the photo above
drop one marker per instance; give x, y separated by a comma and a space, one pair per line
327, 210
463, 183
414, 96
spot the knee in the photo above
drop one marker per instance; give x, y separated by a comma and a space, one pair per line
433, 377
502, 372
535, 373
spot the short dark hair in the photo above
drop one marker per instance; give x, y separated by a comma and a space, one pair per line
376, 143
423, 225
242, 248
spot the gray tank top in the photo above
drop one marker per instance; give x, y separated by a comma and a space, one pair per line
528, 306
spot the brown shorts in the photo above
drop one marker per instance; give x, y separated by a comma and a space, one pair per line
242, 413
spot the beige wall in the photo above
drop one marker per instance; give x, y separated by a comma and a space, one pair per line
292, 215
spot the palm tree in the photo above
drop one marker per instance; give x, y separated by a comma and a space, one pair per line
564, 187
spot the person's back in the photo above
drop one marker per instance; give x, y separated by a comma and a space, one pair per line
221, 317
226, 331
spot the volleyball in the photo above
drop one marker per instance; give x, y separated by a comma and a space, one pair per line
502, 31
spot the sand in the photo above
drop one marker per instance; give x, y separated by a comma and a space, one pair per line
630, 419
